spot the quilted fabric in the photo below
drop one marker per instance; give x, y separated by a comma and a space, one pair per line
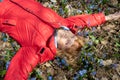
32, 26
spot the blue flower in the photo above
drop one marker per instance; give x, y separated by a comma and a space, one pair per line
92, 59
90, 43
89, 54
4, 39
86, 66
85, 54
93, 28
61, 11
33, 78
50, 77
86, 62
99, 9
83, 59
86, 33
79, 11
101, 62
114, 66
82, 72
93, 73
14, 52
104, 55
63, 62
7, 64
92, 6
75, 77
38, 71
58, 59
13, 44
79, 33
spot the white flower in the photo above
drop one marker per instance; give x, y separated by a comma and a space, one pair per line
53, 1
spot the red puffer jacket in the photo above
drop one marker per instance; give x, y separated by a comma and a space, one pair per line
32, 26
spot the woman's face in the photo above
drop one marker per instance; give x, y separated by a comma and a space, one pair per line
67, 40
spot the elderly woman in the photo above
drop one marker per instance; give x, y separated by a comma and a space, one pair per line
35, 27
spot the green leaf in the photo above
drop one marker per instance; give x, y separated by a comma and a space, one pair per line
96, 41
105, 1
117, 44
116, 55
92, 37
2, 72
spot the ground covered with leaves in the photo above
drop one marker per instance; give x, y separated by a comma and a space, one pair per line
99, 59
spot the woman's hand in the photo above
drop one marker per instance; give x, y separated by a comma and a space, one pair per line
114, 16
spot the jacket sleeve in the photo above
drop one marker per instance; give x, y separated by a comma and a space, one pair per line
22, 64
80, 21
0, 24
52, 18
85, 20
